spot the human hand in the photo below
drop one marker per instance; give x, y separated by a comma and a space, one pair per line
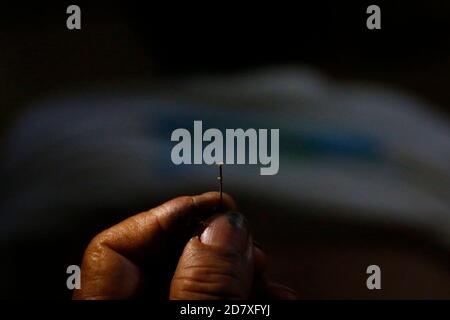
159, 254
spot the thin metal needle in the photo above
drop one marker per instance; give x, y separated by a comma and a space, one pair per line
220, 177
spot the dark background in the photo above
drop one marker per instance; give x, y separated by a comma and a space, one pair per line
134, 40
122, 44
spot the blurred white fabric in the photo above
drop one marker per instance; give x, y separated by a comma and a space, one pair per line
377, 154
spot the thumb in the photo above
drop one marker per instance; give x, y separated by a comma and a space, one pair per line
219, 264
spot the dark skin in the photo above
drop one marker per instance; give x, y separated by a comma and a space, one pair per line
191, 247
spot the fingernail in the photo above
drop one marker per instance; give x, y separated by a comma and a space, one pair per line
227, 231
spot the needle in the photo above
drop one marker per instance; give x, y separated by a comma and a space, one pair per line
220, 177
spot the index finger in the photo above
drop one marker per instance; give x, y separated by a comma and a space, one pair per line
148, 232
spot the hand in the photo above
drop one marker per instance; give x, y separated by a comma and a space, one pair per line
163, 254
